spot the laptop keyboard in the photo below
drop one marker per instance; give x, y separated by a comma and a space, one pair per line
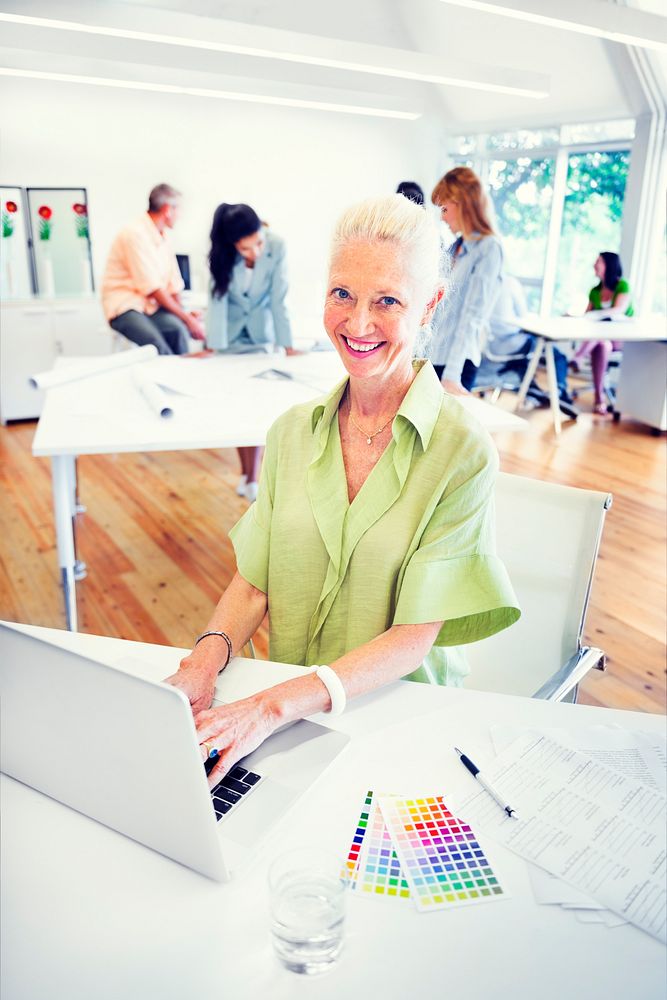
232, 790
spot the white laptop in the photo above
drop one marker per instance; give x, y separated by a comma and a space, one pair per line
123, 750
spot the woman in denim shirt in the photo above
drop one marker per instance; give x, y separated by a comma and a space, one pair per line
476, 259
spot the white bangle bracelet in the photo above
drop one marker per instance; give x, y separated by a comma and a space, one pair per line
334, 686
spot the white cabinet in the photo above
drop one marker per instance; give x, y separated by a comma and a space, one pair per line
642, 382
33, 332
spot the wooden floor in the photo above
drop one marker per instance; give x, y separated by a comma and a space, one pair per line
155, 541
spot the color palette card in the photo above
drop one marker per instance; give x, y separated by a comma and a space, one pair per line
372, 865
441, 857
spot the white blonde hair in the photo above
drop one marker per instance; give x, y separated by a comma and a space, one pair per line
395, 219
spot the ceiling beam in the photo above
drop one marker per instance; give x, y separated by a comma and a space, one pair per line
598, 18
121, 21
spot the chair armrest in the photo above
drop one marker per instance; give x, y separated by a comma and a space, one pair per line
569, 675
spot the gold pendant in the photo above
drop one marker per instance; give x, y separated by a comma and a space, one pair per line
368, 440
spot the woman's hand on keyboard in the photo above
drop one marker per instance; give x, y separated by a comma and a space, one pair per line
234, 730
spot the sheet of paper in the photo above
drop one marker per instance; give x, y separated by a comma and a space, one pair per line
634, 755
600, 831
372, 867
81, 368
441, 858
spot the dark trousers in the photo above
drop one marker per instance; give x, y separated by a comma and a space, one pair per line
163, 330
521, 364
468, 375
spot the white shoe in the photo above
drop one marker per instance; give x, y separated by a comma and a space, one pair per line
251, 492
240, 486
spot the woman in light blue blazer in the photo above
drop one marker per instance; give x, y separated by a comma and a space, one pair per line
246, 310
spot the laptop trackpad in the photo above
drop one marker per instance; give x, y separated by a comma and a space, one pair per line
259, 811
290, 761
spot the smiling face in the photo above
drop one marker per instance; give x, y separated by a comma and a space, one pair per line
251, 247
374, 308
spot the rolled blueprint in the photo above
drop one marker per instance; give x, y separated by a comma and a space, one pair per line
83, 368
156, 397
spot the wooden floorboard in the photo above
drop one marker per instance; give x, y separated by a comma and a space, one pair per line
155, 538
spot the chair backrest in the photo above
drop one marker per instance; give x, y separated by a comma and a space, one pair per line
548, 537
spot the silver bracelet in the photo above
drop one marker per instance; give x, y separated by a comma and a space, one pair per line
223, 635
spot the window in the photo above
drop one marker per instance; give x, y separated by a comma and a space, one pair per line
522, 192
592, 217
558, 197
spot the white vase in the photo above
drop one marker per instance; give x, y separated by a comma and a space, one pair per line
8, 279
47, 285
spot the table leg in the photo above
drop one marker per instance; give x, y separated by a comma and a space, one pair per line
553, 386
530, 373
79, 508
63, 506
80, 568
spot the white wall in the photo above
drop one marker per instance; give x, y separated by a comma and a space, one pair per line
297, 168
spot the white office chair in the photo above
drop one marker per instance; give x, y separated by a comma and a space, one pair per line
548, 537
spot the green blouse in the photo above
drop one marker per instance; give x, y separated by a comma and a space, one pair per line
415, 545
622, 288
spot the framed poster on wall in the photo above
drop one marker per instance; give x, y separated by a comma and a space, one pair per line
60, 239
16, 273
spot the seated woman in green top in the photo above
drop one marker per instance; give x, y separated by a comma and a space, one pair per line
610, 299
371, 543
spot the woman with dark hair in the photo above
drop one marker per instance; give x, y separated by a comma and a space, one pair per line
477, 261
412, 191
246, 311
609, 299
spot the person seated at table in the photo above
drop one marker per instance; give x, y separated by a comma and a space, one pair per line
476, 259
247, 312
506, 337
411, 190
142, 283
371, 543
609, 299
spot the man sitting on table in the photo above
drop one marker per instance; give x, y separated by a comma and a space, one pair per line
142, 283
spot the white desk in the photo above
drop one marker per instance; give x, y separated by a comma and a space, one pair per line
88, 913
552, 329
224, 404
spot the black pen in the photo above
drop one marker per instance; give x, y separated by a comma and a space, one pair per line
474, 770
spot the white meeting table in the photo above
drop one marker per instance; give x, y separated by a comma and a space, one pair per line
89, 914
549, 330
218, 402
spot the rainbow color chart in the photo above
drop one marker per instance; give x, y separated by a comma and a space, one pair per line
443, 861
372, 865
414, 848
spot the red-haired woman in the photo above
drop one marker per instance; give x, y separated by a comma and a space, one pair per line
476, 259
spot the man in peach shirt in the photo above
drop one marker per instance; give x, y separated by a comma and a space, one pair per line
142, 284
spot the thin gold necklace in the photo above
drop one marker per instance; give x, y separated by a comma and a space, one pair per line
369, 437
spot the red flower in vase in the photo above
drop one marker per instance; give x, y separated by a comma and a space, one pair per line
80, 209
11, 206
44, 211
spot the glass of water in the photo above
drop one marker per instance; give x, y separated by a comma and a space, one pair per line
307, 909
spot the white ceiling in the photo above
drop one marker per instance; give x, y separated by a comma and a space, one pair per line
589, 78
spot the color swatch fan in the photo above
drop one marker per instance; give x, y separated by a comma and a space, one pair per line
415, 848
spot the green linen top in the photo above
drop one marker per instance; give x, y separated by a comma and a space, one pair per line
415, 545
622, 288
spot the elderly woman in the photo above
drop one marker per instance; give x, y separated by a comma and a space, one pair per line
371, 543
